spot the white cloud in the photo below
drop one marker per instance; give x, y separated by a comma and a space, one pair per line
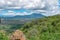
47, 7
27, 4
12, 13
2, 2
1, 9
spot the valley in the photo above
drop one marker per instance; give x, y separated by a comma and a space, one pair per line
33, 29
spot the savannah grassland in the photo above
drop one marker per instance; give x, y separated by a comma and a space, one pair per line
47, 28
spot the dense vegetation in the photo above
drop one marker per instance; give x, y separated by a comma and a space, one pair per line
47, 28
3, 35
9, 28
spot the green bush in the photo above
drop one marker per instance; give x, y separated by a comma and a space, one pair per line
3, 36
47, 28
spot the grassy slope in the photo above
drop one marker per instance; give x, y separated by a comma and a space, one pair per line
47, 28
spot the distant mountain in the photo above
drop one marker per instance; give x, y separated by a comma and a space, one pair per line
34, 15
30, 16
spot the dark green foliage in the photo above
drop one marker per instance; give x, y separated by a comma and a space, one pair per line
3, 36
9, 28
47, 28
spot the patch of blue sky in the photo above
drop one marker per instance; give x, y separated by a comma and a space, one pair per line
17, 10
22, 10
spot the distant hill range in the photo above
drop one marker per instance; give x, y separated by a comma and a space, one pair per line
34, 15
20, 19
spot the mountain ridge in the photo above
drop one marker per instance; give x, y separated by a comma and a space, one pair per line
25, 16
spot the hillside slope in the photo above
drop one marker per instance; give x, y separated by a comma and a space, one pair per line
47, 28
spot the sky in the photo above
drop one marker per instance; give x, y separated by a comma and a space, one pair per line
28, 7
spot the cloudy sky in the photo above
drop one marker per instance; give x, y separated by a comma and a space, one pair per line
28, 7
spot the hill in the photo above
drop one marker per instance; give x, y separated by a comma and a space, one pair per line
47, 28
19, 19
32, 16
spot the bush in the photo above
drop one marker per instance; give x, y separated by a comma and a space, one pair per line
3, 36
